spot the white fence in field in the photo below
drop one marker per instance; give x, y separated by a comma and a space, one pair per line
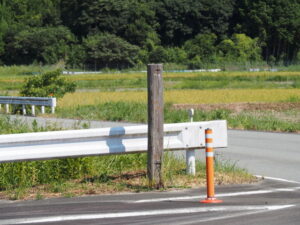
33, 101
103, 141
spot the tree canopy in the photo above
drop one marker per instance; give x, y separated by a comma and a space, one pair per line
123, 33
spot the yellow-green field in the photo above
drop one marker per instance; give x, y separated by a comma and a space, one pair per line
117, 76
184, 96
197, 80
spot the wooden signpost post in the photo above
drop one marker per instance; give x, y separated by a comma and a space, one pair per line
155, 125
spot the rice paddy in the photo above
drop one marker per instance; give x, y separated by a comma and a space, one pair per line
116, 76
183, 96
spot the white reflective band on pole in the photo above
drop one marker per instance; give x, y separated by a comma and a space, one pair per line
209, 136
209, 154
209, 145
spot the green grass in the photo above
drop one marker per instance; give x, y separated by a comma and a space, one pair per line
105, 174
237, 82
12, 126
137, 112
9, 71
132, 112
264, 121
200, 81
112, 84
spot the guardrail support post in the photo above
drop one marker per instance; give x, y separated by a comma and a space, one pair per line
43, 109
7, 108
210, 169
24, 109
155, 125
190, 154
33, 110
52, 109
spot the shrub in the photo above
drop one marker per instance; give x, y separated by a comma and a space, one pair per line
49, 84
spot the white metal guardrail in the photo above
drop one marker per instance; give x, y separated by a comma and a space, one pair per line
33, 101
116, 140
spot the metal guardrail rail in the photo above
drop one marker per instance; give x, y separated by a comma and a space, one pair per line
33, 101
103, 141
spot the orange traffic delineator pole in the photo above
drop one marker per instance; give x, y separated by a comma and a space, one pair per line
210, 169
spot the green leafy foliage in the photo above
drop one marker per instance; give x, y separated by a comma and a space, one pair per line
241, 48
49, 84
47, 45
108, 50
277, 25
94, 34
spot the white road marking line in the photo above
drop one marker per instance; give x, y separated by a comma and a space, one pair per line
234, 215
219, 195
278, 179
142, 213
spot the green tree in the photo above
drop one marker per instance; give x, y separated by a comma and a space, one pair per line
275, 22
158, 55
133, 20
108, 50
47, 45
240, 48
35, 13
181, 20
5, 18
49, 84
76, 56
176, 55
202, 47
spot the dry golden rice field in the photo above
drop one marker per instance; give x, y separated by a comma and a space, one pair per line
184, 96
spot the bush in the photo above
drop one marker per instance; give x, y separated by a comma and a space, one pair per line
49, 84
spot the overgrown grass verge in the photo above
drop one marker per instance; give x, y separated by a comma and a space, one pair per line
12, 126
263, 120
97, 175
69, 178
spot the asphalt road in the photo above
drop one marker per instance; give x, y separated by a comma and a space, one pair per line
269, 202
264, 153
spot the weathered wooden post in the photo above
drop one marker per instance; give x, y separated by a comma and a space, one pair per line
155, 125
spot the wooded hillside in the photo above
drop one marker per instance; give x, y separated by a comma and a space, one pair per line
126, 33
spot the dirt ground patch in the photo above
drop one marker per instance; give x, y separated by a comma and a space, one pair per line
239, 107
